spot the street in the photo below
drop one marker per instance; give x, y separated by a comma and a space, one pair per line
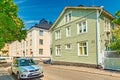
55, 73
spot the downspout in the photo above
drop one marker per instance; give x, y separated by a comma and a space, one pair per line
98, 36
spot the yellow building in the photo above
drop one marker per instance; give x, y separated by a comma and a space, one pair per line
5, 51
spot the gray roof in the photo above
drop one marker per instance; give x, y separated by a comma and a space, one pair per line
44, 24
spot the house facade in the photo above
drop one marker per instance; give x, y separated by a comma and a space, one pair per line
81, 35
36, 44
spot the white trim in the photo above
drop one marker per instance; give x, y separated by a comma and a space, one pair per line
78, 27
68, 35
60, 53
82, 49
68, 19
57, 34
99, 57
67, 47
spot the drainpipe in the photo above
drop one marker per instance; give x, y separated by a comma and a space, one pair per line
98, 36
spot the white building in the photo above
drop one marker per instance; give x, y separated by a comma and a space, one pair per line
36, 44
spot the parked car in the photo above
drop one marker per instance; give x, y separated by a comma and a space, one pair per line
3, 60
47, 61
25, 68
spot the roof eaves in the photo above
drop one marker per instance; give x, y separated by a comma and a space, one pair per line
58, 18
85, 8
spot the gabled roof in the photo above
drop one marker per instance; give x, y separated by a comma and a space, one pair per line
82, 8
43, 24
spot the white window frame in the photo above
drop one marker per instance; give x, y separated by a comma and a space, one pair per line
107, 24
67, 17
82, 27
41, 34
66, 46
68, 31
40, 51
41, 42
83, 54
58, 50
57, 34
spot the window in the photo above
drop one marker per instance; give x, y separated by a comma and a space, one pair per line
41, 41
41, 32
68, 46
58, 34
30, 42
107, 24
68, 17
26, 51
26, 43
58, 50
41, 51
82, 49
82, 27
68, 32
70, 14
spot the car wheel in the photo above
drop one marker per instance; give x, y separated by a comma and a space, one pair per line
18, 76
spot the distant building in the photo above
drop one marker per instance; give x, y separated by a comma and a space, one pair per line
80, 35
5, 51
36, 44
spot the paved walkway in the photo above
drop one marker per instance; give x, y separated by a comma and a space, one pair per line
4, 75
89, 70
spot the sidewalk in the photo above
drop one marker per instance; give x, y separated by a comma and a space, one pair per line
88, 70
4, 74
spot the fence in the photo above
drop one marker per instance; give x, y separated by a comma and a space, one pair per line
111, 61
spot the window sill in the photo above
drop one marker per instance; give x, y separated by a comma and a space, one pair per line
57, 39
82, 33
82, 55
58, 55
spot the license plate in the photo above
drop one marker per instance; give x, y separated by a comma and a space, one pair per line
35, 73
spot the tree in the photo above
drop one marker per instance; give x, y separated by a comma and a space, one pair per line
115, 45
11, 27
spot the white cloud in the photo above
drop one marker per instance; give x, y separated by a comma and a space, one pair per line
19, 2
31, 21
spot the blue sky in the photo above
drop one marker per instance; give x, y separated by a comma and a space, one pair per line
32, 11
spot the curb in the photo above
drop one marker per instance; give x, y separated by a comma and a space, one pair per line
93, 72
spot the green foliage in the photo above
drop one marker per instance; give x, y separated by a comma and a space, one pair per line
11, 27
115, 45
117, 20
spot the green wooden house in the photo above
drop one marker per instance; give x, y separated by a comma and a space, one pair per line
80, 35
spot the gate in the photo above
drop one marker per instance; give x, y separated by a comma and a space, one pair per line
111, 60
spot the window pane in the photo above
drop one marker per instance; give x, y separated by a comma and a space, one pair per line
67, 31
40, 51
41, 32
85, 50
69, 16
41, 42
84, 26
80, 28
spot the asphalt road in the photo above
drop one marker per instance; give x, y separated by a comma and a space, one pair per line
52, 73
55, 73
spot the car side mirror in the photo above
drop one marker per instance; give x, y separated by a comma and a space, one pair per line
15, 65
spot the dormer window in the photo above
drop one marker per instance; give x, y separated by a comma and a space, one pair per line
68, 17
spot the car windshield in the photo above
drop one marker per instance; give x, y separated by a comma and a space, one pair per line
26, 62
